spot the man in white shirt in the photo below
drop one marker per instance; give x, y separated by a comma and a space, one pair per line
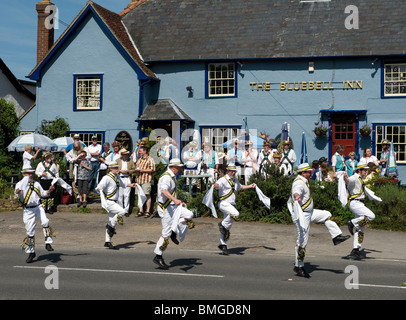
363, 215
95, 151
47, 170
30, 193
168, 204
265, 159
228, 186
301, 194
110, 185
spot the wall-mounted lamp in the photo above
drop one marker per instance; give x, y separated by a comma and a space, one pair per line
311, 66
190, 90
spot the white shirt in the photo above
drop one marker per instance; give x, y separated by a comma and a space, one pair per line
34, 199
354, 186
94, 148
225, 188
27, 157
50, 175
250, 157
107, 185
301, 187
166, 182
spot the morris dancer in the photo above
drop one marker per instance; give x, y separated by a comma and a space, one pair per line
228, 187
175, 218
30, 193
363, 215
303, 213
109, 192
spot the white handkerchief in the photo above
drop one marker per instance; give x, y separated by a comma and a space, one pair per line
103, 201
208, 201
141, 197
371, 195
264, 199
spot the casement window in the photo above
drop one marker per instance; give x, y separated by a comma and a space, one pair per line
395, 133
217, 136
88, 91
86, 137
394, 82
221, 80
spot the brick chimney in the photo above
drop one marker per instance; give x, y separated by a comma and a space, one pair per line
45, 36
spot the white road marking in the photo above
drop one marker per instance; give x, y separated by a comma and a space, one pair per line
130, 271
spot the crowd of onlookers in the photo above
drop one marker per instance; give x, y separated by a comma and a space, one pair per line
86, 165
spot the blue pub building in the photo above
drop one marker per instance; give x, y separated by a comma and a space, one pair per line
205, 69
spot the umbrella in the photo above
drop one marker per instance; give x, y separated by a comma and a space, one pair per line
285, 132
34, 139
257, 142
391, 169
62, 143
303, 151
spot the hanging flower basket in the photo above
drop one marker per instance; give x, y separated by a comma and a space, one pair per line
320, 130
365, 130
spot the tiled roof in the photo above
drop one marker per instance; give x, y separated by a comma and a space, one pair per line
163, 109
221, 29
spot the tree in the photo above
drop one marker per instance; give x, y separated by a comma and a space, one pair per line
54, 129
9, 127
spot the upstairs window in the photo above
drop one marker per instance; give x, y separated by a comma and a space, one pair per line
221, 80
88, 92
395, 80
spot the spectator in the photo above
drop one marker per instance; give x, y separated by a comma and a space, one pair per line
249, 160
324, 173
82, 177
46, 170
115, 154
288, 156
77, 147
210, 162
234, 156
103, 163
126, 169
28, 156
145, 168
369, 157
338, 161
315, 168
351, 164
95, 150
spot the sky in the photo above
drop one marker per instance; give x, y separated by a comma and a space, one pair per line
18, 29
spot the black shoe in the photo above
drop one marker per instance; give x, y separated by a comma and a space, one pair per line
337, 240
160, 262
31, 257
355, 253
79, 204
49, 247
173, 238
301, 272
224, 249
350, 226
109, 245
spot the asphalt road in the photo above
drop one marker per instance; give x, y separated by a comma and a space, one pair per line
259, 266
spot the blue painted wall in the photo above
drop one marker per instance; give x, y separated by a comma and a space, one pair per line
88, 51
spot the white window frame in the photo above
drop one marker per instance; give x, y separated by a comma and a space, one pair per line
88, 92
218, 135
394, 80
395, 133
220, 78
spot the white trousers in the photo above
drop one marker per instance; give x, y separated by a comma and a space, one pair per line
172, 220
229, 211
248, 172
316, 216
362, 216
29, 217
124, 195
209, 171
113, 210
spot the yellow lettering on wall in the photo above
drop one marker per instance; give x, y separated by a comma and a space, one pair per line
318, 85
304, 85
311, 85
358, 84
252, 84
260, 86
267, 86
283, 86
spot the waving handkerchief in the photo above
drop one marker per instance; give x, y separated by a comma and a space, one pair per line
208, 201
264, 199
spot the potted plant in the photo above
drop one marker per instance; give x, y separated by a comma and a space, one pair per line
320, 130
365, 130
